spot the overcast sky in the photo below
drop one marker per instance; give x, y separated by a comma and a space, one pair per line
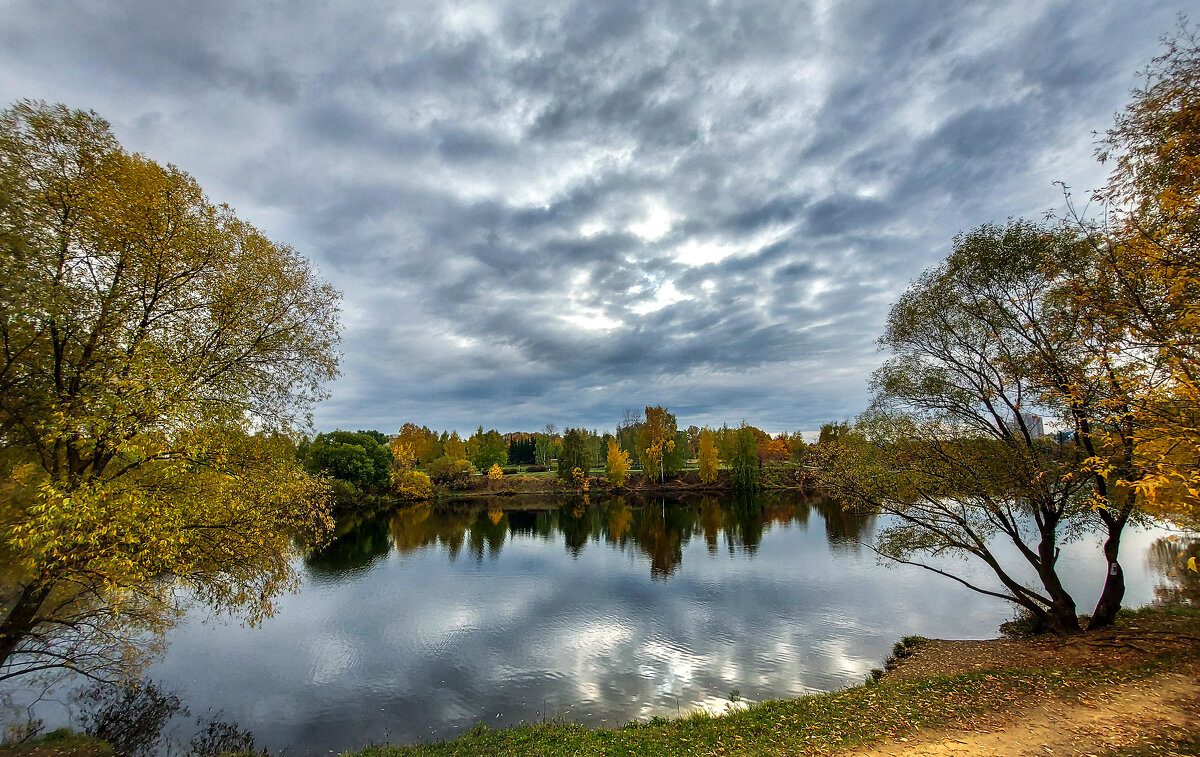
548, 212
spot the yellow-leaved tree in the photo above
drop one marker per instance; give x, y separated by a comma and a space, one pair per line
616, 469
1146, 287
655, 439
159, 354
707, 456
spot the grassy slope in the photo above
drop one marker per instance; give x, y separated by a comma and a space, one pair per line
810, 725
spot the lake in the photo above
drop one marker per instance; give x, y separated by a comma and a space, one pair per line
416, 624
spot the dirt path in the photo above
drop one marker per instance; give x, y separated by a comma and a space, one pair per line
1151, 714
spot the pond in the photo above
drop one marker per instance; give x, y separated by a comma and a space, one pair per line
416, 624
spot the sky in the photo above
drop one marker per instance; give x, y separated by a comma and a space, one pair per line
551, 212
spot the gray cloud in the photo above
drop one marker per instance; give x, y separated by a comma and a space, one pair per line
548, 213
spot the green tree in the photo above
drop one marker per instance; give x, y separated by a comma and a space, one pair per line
351, 456
744, 464
947, 448
487, 448
151, 339
576, 453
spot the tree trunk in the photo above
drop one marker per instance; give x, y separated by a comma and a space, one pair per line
21, 619
1061, 617
1105, 613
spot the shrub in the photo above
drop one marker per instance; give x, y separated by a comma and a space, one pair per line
451, 473
511, 470
408, 484
536, 469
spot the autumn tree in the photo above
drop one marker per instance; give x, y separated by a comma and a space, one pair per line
707, 456
157, 352
616, 467
454, 447
977, 343
655, 439
1145, 289
775, 451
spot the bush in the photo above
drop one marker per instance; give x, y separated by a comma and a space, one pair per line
451, 473
411, 484
536, 469
510, 470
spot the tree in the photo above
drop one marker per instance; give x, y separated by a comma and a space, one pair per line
775, 451
576, 453
744, 463
157, 349
1146, 281
655, 439
455, 448
487, 448
616, 468
422, 441
947, 448
353, 457
707, 456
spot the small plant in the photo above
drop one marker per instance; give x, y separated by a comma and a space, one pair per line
735, 696
580, 479
130, 716
221, 737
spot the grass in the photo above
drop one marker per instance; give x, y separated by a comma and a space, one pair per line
817, 724
56, 744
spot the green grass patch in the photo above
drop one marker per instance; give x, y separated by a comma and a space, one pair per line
58, 744
810, 725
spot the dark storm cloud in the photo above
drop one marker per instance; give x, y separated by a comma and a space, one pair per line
549, 212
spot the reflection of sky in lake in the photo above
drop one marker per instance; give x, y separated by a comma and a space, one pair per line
383, 644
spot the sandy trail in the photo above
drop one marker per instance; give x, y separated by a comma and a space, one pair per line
1095, 722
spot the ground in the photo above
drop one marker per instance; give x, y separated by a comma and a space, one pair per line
1158, 715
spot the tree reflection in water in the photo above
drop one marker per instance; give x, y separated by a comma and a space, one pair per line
657, 528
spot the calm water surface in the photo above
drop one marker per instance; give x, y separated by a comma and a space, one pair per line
416, 624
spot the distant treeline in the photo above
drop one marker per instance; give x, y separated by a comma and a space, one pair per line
368, 460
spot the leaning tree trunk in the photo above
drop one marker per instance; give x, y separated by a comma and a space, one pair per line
21, 619
1061, 616
1105, 613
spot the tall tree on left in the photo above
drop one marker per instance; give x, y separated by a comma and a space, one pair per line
156, 354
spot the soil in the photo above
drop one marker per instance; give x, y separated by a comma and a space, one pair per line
1159, 715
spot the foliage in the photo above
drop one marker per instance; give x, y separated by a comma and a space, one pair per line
130, 716
452, 473
412, 485
579, 479
576, 453
155, 347
744, 463
351, 456
418, 444
485, 449
1143, 298
946, 447
616, 469
707, 456
455, 447
655, 439
775, 451
220, 737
